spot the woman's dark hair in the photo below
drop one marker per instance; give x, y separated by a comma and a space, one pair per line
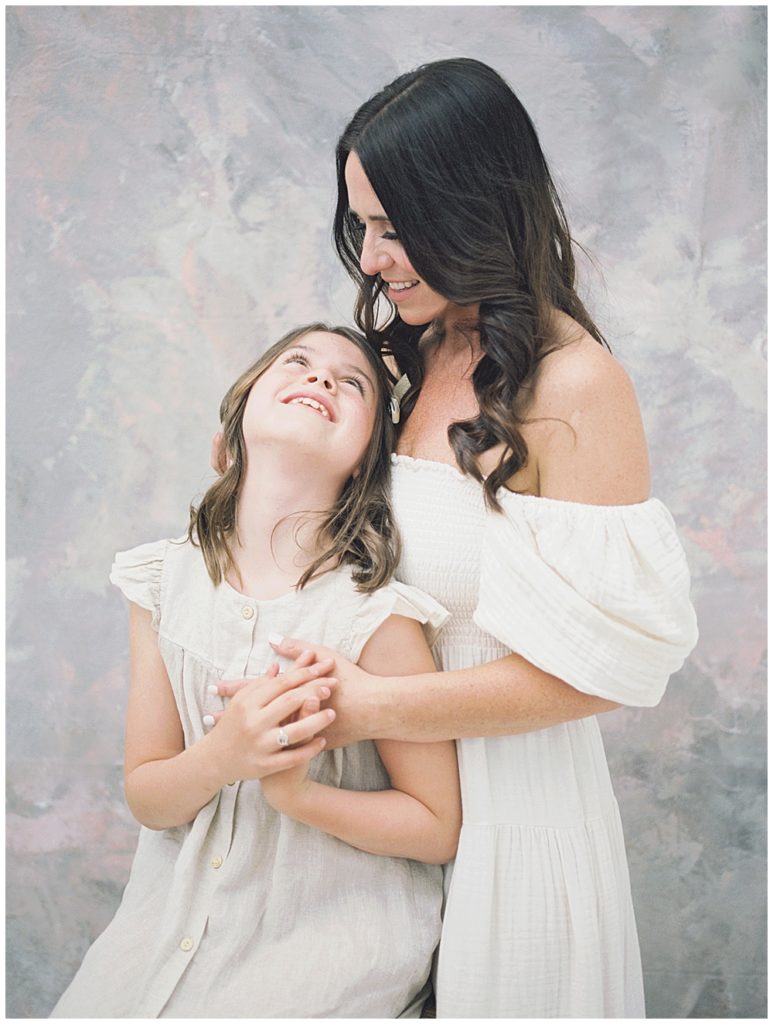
456, 163
359, 530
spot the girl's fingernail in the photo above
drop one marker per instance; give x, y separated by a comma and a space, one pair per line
208, 720
212, 689
331, 714
324, 691
275, 639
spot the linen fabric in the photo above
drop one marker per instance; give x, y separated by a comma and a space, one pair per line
539, 920
245, 912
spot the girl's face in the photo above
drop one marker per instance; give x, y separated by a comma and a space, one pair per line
320, 396
383, 254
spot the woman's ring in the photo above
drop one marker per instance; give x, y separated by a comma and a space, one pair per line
282, 739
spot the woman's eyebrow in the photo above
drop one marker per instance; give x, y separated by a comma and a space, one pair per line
381, 217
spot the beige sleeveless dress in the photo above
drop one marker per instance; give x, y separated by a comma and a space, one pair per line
245, 912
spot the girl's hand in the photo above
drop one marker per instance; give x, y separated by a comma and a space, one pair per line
283, 789
352, 696
307, 658
244, 743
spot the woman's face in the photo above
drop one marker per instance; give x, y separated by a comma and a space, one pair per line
383, 254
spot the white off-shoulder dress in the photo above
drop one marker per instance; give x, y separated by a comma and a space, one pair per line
538, 920
245, 912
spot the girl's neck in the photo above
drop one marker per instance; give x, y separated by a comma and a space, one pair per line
279, 510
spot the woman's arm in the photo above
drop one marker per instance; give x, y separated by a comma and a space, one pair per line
420, 816
167, 784
501, 698
587, 442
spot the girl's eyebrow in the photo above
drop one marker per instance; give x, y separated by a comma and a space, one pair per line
350, 367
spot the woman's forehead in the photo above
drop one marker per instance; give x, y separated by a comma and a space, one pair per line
362, 197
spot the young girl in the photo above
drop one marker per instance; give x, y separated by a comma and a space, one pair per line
269, 880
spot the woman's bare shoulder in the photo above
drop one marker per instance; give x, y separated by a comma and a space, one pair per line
586, 432
578, 364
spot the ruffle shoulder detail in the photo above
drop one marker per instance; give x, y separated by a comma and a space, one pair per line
138, 575
596, 595
394, 599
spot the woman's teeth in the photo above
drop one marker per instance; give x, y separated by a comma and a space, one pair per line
400, 286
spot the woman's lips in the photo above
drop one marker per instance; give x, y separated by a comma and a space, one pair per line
400, 294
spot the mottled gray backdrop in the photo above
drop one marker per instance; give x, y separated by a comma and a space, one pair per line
170, 174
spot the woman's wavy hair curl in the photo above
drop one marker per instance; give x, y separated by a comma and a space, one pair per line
359, 530
456, 163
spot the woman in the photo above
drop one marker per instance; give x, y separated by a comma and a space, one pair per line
521, 486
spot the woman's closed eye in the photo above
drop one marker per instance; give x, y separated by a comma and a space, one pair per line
358, 227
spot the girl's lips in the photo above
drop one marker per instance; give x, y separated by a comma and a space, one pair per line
319, 398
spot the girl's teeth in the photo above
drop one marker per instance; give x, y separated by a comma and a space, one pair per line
310, 402
402, 286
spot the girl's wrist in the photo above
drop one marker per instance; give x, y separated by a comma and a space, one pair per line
294, 803
214, 772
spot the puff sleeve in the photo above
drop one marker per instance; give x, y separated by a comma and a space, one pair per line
393, 599
138, 574
596, 595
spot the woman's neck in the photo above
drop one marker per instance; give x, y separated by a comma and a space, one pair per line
279, 511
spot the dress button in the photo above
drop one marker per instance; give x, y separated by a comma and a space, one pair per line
247, 612
216, 862
186, 944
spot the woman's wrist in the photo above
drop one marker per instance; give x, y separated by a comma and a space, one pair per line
377, 716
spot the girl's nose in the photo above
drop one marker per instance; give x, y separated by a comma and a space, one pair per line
323, 377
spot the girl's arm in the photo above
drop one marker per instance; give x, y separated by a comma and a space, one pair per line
167, 784
420, 816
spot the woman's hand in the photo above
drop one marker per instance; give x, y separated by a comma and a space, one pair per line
244, 743
354, 690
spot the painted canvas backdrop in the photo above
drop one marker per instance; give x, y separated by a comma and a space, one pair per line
170, 175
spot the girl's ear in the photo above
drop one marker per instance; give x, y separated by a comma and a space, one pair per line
218, 459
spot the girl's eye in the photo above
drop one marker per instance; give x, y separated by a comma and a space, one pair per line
296, 357
357, 382
390, 236
358, 226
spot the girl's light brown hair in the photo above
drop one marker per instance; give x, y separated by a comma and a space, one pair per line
359, 530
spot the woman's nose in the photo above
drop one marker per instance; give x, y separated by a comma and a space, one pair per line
373, 260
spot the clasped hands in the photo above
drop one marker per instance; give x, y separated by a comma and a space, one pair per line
244, 739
